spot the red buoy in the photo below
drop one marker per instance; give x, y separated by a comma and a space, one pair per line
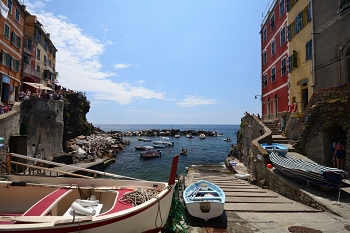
269, 165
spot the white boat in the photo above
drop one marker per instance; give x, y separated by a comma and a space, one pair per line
204, 200
202, 136
164, 140
189, 136
227, 139
177, 136
38, 204
143, 147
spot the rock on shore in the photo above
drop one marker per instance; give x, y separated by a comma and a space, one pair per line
89, 148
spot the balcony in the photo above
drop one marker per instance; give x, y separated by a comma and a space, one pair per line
29, 71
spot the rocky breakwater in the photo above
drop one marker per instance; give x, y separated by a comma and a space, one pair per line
86, 149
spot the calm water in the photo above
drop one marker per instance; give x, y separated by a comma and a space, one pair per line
211, 150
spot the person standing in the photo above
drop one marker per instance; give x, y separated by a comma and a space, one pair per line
339, 154
21, 95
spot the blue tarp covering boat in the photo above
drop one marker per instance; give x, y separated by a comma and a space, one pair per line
309, 172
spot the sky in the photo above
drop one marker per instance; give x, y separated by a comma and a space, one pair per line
158, 61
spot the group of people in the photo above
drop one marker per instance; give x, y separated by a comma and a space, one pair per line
40, 95
338, 150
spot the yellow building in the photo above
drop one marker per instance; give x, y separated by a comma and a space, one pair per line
300, 53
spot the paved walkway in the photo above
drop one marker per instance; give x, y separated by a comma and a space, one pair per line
249, 208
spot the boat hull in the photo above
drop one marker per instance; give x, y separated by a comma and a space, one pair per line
275, 147
204, 203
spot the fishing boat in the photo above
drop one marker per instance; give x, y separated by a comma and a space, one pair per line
143, 147
204, 200
38, 204
202, 136
177, 136
189, 136
150, 153
275, 147
227, 139
311, 173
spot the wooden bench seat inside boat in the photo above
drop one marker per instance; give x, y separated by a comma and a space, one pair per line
43, 206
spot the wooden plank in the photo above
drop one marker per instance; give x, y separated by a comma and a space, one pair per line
268, 207
245, 194
256, 200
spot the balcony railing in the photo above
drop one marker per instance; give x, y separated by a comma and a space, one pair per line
33, 72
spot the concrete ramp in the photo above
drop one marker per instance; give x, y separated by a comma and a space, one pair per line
241, 196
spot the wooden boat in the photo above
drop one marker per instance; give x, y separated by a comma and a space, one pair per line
271, 147
38, 204
204, 200
311, 173
143, 147
227, 139
150, 153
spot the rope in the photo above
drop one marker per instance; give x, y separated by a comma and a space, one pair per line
160, 214
139, 196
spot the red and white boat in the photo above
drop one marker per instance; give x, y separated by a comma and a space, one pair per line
39, 204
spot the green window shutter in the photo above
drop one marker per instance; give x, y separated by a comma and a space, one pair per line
295, 59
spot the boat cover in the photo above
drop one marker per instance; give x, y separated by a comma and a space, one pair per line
310, 172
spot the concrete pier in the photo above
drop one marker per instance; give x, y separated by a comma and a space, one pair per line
249, 208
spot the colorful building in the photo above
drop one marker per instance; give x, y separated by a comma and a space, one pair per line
274, 59
300, 54
12, 20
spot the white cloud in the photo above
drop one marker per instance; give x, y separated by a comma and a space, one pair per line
78, 62
122, 66
193, 101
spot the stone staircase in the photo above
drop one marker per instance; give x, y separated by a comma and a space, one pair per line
277, 136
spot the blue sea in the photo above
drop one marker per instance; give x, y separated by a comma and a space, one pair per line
211, 150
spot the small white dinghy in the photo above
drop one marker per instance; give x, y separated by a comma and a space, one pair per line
204, 200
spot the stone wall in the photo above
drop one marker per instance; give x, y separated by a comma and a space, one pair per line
255, 158
42, 121
9, 124
326, 119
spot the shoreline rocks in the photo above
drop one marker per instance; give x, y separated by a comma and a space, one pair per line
84, 149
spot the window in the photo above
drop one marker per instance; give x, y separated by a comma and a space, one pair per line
308, 48
265, 34
18, 43
16, 66
38, 36
287, 5
308, 13
265, 80
38, 54
9, 5
272, 48
298, 22
290, 65
283, 35
282, 7
38, 68
13, 38
295, 59
272, 22
265, 57
29, 44
46, 46
45, 60
17, 15
283, 66
289, 36
273, 74
9, 60
7, 31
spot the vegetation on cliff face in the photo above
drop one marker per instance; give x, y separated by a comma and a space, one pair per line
76, 106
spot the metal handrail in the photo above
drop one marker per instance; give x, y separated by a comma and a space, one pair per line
95, 172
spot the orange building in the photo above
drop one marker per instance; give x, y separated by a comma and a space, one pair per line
12, 20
